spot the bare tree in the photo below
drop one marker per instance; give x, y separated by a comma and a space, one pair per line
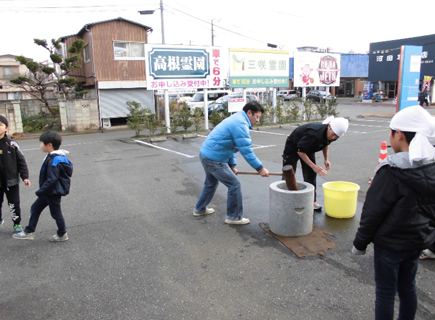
41, 77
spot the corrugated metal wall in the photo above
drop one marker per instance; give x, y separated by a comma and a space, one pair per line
113, 102
354, 65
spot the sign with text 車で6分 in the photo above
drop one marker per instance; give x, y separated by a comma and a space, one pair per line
251, 68
312, 69
176, 67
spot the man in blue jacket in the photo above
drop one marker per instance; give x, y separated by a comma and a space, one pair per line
218, 157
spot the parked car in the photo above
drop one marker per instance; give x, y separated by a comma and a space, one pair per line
221, 104
317, 95
287, 94
198, 99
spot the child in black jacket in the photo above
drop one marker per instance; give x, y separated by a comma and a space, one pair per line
54, 182
12, 167
398, 215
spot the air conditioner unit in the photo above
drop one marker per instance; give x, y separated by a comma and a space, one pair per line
106, 123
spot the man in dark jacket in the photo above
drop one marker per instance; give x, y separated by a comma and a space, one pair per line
398, 215
54, 182
306, 140
13, 166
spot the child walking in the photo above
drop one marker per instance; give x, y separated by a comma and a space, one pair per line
12, 167
54, 182
398, 215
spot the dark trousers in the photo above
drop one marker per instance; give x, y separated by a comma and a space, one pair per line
395, 272
424, 101
13, 196
308, 173
53, 202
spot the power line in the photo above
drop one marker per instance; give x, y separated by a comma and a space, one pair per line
60, 8
226, 23
239, 34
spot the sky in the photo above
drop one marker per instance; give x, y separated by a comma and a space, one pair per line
289, 24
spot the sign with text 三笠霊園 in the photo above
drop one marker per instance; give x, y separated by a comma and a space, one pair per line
313, 69
258, 68
176, 67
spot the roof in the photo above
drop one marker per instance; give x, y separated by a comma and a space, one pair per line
396, 44
86, 26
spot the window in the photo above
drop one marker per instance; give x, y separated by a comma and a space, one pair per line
129, 50
7, 71
86, 54
14, 96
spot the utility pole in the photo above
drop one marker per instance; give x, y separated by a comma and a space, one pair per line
163, 29
212, 33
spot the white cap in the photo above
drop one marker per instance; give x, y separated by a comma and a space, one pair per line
338, 125
416, 119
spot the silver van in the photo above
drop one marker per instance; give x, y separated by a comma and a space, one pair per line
287, 94
198, 99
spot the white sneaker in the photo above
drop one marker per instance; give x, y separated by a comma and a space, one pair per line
240, 221
23, 235
427, 254
56, 238
205, 212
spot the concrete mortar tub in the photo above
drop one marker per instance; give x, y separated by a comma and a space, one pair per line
291, 212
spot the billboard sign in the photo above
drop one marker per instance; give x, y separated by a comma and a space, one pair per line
316, 69
409, 76
258, 68
236, 104
368, 90
184, 67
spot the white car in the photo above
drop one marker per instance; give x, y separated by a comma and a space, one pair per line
198, 99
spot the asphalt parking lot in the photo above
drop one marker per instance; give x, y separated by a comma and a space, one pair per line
137, 252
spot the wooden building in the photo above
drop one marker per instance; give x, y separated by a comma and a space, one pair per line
113, 64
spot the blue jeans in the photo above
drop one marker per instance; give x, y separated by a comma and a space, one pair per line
53, 202
216, 172
395, 272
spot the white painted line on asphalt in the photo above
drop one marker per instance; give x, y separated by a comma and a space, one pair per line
275, 133
157, 147
65, 145
367, 120
257, 145
261, 147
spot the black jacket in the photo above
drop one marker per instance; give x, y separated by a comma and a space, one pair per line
12, 163
55, 175
399, 210
308, 138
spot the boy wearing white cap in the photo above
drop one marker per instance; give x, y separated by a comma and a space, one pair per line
398, 215
306, 140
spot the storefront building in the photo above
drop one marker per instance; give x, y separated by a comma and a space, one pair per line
354, 72
384, 61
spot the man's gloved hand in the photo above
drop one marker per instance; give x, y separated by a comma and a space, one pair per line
357, 252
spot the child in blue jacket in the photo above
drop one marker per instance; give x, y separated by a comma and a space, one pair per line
54, 182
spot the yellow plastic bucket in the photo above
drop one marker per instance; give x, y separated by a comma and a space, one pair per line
340, 198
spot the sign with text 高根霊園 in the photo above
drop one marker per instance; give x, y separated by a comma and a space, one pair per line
258, 68
176, 67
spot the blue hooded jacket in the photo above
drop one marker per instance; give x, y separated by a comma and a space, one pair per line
228, 137
55, 175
